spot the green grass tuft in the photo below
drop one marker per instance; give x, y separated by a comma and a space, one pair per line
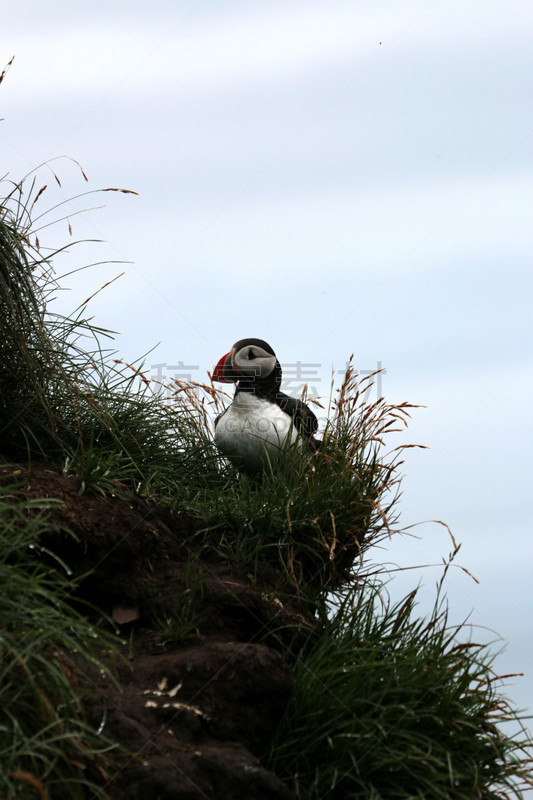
390, 705
45, 648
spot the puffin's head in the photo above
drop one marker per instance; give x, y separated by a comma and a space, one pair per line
248, 360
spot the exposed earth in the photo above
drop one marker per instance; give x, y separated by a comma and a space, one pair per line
202, 682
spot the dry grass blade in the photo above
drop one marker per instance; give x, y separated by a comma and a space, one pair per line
108, 283
6, 68
27, 777
123, 191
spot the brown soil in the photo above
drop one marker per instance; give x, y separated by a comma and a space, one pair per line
202, 679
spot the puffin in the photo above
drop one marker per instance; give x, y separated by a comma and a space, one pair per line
261, 421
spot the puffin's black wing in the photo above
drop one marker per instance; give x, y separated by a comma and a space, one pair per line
303, 418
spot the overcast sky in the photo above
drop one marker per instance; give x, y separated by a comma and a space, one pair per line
336, 178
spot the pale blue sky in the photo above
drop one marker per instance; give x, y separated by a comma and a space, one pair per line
334, 177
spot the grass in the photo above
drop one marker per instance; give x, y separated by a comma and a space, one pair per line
174, 629
45, 647
313, 515
391, 705
385, 704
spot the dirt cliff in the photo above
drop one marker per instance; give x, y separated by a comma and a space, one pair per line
203, 668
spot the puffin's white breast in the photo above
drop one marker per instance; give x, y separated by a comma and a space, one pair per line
252, 425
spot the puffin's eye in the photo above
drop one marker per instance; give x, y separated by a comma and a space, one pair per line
251, 354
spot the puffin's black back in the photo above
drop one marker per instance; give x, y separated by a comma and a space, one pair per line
303, 418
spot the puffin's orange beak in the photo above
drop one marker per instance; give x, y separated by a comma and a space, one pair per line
224, 371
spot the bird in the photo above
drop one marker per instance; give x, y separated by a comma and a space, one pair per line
261, 421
